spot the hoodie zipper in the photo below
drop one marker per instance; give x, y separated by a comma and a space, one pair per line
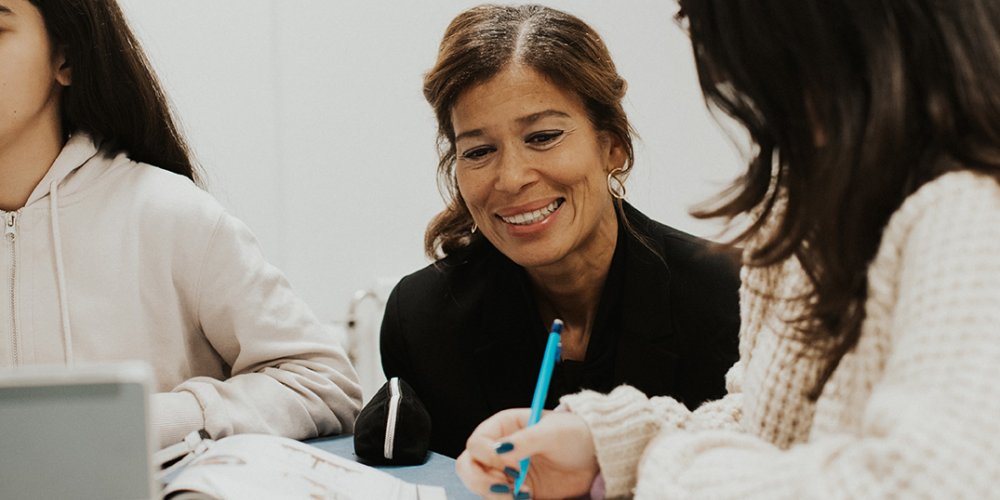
10, 232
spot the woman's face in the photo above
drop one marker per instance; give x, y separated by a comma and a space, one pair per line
533, 170
31, 75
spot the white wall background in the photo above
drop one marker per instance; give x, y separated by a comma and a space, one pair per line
308, 118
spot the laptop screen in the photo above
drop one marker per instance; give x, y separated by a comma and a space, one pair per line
75, 433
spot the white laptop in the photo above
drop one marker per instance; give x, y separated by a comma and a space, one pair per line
80, 433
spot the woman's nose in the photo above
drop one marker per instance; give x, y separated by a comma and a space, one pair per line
514, 172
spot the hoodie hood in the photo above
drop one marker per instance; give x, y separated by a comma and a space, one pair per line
80, 148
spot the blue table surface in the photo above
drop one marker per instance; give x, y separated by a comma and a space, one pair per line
439, 470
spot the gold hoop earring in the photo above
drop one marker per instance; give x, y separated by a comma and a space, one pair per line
474, 228
616, 186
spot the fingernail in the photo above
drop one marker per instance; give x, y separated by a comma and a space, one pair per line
503, 448
500, 488
512, 472
524, 495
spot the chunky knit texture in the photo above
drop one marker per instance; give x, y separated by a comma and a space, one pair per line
912, 411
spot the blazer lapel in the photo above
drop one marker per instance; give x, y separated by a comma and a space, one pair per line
646, 355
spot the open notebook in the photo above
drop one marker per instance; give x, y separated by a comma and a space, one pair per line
79, 433
256, 466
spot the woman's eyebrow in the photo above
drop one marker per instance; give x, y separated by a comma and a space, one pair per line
471, 133
534, 117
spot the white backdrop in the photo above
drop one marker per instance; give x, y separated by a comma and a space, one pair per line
308, 118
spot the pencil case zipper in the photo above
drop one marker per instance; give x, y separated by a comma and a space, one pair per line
395, 397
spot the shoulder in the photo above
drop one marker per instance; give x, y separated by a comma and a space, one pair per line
682, 252
155, 196
936, 276
444, 300
455, 279
952, 213
171, 192
955, 195
695, 279
432, 311
164, 210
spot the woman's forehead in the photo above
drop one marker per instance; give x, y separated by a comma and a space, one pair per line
517, 93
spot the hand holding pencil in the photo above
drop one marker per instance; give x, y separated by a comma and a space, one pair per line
560, 448
563, 459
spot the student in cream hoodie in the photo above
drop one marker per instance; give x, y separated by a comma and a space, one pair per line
112, 252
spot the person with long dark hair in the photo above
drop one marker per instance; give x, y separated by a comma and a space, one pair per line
112, 252
870, 304
535, 150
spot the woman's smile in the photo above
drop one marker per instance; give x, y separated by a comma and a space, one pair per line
522, 222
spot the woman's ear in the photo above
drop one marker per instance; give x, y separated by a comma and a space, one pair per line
64, 72
614, 152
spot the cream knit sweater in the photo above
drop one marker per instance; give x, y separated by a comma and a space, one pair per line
913, 411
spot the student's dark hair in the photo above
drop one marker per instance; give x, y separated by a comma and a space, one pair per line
482, 41
851, 106
115, 94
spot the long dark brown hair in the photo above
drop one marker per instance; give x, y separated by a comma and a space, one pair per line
115, 94
851, 105
476, 46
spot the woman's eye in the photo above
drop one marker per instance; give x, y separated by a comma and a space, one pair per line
544, 137
477, 153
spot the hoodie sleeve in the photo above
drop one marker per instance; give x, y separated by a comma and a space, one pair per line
289, 376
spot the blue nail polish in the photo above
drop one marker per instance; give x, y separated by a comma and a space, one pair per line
500, 488
504, 448
524, 495
512, 472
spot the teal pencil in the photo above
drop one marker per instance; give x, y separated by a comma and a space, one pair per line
549, 360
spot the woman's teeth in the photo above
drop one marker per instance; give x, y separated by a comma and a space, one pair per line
533, 216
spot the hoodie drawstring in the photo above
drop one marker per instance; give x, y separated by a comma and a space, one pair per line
60, 273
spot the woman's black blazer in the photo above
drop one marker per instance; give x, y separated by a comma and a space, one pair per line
466, 334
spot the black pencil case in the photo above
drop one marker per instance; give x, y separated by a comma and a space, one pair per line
394, 428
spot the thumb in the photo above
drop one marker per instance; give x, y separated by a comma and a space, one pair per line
538, 439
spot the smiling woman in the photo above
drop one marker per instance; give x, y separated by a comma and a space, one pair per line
535, 146
533, 173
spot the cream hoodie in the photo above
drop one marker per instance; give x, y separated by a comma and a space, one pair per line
115, 260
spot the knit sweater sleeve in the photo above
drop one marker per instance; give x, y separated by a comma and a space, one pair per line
929, 427
625, 421
288, 375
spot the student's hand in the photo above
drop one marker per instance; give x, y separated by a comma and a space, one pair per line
563, 459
